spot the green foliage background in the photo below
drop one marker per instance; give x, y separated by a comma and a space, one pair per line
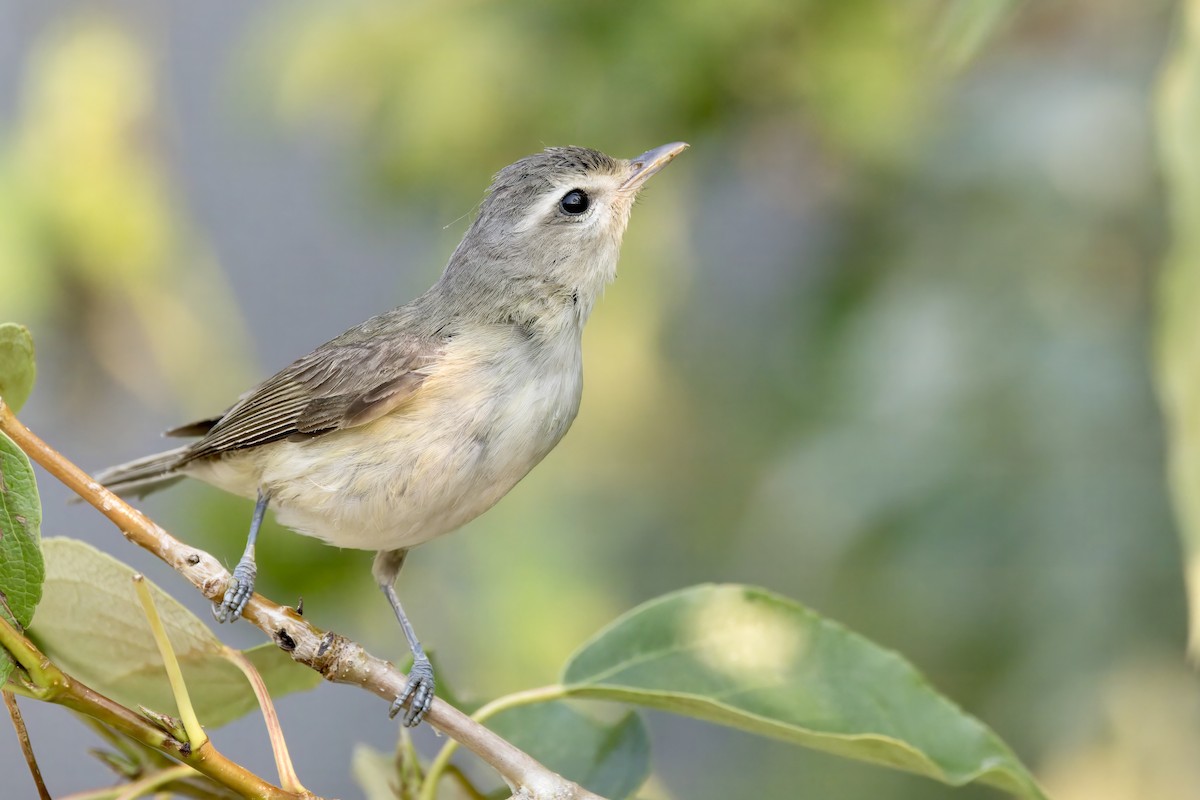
880, 342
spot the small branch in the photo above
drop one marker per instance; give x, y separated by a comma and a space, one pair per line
283, 762
187, 713
139, 759
335, 657
66, 691
26, 746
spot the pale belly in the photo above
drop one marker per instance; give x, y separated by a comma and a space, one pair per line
420, 472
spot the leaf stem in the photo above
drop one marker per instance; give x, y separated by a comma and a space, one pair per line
283, 761
44, 676
187, 713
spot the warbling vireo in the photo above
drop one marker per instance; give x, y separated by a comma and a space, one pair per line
418, 420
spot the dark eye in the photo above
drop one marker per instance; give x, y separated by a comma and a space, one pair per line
574, 202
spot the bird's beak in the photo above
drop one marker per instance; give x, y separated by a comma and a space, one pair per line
651, 162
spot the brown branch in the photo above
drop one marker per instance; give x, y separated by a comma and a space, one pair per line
26, 747
55, 686
335, 657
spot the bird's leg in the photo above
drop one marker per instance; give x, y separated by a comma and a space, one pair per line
418, 692
241, 585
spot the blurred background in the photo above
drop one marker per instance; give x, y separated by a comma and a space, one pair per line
880, 340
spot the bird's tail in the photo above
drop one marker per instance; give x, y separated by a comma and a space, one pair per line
145, 475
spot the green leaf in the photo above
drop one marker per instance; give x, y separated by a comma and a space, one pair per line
1178, 353
17, 367
91, 624
750, 659
611, 759
21, 568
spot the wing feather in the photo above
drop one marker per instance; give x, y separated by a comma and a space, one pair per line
349, 381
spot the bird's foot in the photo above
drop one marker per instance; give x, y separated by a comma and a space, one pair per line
237, 592
418, 693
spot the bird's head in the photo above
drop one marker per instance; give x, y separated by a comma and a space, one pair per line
553, 222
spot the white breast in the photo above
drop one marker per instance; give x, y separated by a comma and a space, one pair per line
497, 405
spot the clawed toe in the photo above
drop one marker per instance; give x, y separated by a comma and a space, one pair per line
237, 595
418, 694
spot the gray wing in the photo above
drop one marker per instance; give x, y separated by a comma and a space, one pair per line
351, 380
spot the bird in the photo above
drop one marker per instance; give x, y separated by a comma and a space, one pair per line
416, 421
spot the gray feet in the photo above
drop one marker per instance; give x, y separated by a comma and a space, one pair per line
418, 692
238, 592
241, 585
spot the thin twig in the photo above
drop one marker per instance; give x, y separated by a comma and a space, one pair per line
26, 747
283, 762
64, 690
335, 657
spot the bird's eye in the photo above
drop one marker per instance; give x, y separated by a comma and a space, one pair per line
574, 202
